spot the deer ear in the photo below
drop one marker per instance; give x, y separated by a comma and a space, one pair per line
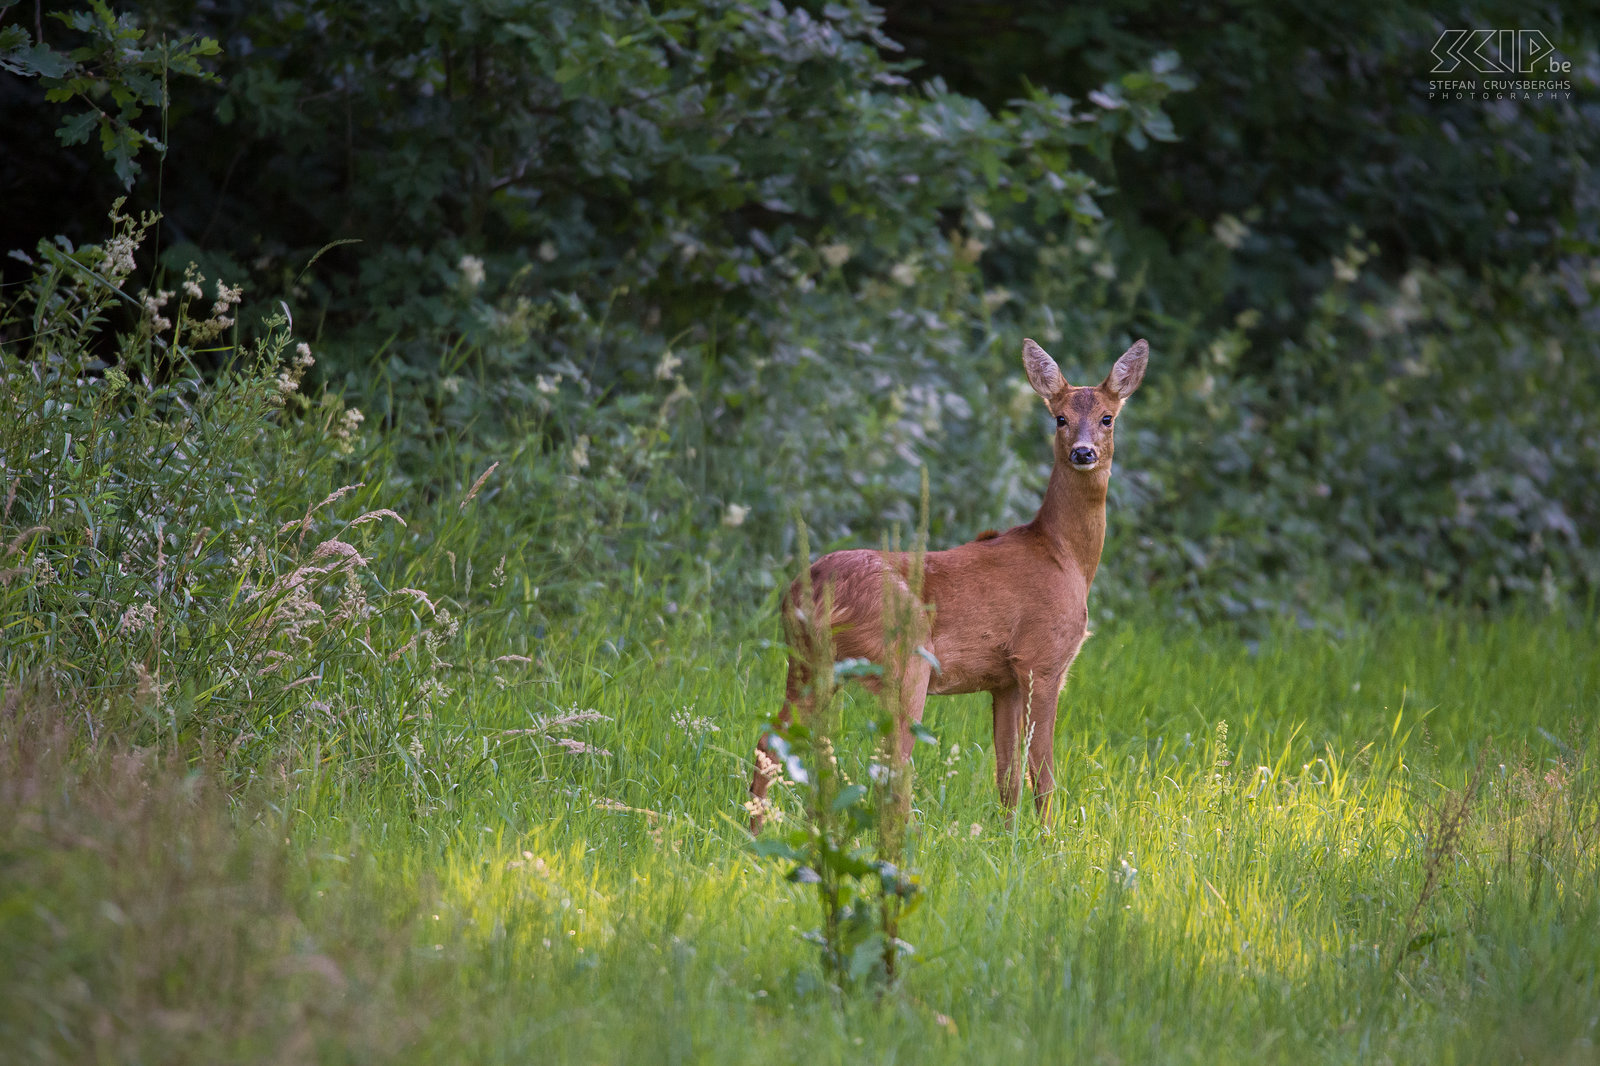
1043, 374
1129, 371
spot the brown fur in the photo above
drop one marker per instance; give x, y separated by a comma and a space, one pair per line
1009, 611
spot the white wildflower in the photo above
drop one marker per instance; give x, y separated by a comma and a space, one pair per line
153, 305
734, 516
220, 320
547, 251
667, 368
764, 809
546, 385
835, 255
580, 454
289, 376
769, 768
904, 274
116, 258
451, 384
345, 432
137, 617
693, 724
472, 271
1229, 231
228, 297
43, 573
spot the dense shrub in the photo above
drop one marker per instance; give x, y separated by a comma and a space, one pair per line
1301, 124
649, 170
198, 560
687, 277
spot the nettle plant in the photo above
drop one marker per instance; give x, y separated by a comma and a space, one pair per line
193, 558
852, 843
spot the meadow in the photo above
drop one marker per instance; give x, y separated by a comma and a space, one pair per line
1372, 844
304, 754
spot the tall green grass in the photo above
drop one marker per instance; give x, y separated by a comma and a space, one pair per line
1283, 886
283, 779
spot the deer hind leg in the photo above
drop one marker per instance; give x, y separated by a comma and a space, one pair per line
767, 763
1007, 723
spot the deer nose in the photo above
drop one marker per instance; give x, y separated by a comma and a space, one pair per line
1083, 456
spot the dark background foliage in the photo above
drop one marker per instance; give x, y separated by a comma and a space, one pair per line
747, 261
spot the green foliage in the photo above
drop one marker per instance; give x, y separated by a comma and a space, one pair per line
685, 274
197, 555
1301, 125
691, 160
115, 74
1439, 432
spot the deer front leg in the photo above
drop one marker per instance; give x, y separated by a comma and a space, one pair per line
1040, 727
913, 692
1007, 721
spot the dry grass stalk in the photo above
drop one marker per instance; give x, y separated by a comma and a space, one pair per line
477, 485
374, 516
305, 523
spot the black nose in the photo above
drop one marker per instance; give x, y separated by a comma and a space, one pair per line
1083, 456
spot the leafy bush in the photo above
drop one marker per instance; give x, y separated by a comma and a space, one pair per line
651, 169
199, 553
741, 271
1299, 126
1438, 434
115, 73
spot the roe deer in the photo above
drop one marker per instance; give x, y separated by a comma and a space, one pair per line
1009, 611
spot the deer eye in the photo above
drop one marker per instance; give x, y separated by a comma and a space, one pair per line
1061, 420
1105, 420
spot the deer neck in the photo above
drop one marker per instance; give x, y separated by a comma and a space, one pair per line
1073, 518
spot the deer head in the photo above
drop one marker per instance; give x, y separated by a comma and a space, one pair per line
1086, 415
